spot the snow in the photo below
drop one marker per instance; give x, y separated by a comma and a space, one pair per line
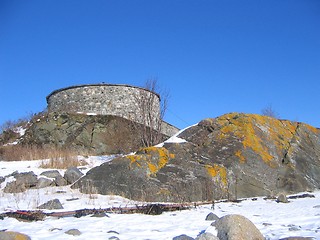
175, 138
299, 217
21, 131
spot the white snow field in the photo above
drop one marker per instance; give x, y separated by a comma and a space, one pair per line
299, 217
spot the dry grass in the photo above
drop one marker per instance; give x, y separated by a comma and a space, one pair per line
55, 157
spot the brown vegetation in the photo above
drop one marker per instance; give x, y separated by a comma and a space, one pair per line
55, 157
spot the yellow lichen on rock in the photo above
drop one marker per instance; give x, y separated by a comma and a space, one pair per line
240, 156
214, 170
154, 158
312, 129
256, 132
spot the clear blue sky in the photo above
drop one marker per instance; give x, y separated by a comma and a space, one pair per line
214, 56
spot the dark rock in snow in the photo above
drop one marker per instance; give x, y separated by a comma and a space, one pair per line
44, 182
100, 215
52, 204
207, 236
182, 237
73, 232
211, 217
72, 175
23, 181
58, 179
51, 174
282, 198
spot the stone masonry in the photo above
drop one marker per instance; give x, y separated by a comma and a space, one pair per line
106, 99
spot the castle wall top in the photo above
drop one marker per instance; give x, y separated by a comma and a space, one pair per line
97, 85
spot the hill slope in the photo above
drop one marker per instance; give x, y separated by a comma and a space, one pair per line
235, 155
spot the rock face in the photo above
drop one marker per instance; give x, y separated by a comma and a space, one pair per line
232, 156
95, 134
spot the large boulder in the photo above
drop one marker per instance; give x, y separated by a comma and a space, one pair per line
237, 227
23, 181
232, 156
10, 235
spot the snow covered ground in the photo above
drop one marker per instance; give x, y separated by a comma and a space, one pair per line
299, 217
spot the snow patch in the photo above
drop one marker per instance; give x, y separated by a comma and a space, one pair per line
175, 138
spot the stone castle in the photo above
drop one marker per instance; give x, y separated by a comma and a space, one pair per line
108, 99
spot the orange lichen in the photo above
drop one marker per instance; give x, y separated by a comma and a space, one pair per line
214, 170
152, 158
258, 132
134, 159
313, 129
240, 156
163, 191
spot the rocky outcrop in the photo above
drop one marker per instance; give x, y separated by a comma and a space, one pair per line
232, 156
94, 134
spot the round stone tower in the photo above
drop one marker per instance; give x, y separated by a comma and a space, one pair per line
105, 99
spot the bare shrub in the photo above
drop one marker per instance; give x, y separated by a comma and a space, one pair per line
148, 112
62, 162
270, 112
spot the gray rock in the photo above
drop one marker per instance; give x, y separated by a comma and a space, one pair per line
73, 232
235, 227
51, 174
72, 175
29, 179
211, 217
97, 135
52, 204
60, 181
44, 182
2, 179
282, 198
100, 215
9, 235
12, 174
14, 187
183, 237
23, 181
233, 156
207, 236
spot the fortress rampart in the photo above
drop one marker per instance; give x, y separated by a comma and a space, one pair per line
107, 99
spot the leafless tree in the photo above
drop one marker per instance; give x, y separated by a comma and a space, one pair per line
148, 113
269, 111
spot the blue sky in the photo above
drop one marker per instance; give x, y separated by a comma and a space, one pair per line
213, 56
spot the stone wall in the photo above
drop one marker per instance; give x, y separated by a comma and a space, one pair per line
106, 99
